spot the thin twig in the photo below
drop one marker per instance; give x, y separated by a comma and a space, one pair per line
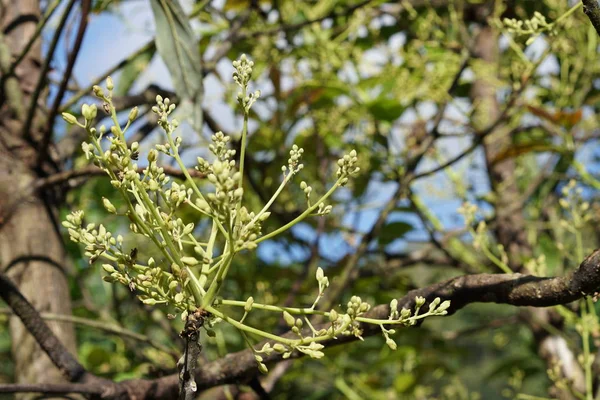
44, 70
102, 325
47, 134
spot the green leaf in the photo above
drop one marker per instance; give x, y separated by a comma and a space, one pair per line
384, 109
393, 231
178, 48
133, 69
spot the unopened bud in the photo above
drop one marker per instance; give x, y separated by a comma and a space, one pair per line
109, 83
109, 206
133, 114
70, 118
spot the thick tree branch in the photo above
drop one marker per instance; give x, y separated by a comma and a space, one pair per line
34, 323
52, 388
513, 289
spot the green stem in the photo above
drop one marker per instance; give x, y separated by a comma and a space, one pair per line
215, 285
241, 167
247, 328
267, 307
568, 13
188, 177
301, 216
269, 203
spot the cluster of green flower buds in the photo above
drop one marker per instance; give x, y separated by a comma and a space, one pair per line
248, 228
155, 177
357, 307
530, 27
294, 165
227, 194
219, 147
241, 75
163, 109
96, 241
347, 167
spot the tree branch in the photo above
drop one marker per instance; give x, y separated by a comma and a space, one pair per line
44, 71
591, 8
60, 356
86, 5
512, 289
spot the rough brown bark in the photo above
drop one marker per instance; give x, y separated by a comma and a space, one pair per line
510, 225
31, 248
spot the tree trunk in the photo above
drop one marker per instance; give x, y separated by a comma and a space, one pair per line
31, 247
510, 226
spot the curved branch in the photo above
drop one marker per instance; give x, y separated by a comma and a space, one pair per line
512, 289
52, 388
56, 351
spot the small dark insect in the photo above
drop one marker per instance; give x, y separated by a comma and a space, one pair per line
133, 253
106, 108
135, 155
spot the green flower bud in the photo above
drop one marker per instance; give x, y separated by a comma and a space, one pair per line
189, 261
152, 185
133, 114
89, 112
69, 118
320, 274
263, 368
333, 315
391, 344
98, 92
109, 206
108, 268
264, 216
249, 303
278, 347
109, 83
288, 318
152, 155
